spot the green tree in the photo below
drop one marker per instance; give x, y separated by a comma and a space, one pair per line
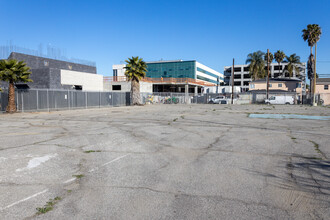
293, 64
312, 35
257, 64
13, 71
135, 70
279, 57
271, 58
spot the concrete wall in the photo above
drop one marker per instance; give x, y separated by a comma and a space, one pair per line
221, 89
89, 82
35, 62
126, 86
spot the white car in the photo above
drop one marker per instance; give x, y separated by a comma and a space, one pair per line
218, 100
280, 100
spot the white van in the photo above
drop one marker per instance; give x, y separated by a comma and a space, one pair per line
280, 100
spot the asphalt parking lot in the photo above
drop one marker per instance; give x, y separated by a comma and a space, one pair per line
165, 162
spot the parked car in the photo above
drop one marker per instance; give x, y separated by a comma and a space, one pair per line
218, 100
280, 100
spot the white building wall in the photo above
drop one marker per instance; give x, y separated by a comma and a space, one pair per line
221, 89
88, 81
126, 86
120, 68
209, 70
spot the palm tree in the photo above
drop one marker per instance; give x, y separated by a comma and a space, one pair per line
257, 64
279, 57
293, 61
135, 70
271, 57
312, 35
13, 71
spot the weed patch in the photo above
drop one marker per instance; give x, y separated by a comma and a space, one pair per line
91, 151
48, 207
78, 176
317, 149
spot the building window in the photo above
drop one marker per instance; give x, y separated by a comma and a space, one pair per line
246, 69
280, 85
116, 87
298, 85
77, 87
326, 87
46, 63
237, 69
270, 85
237, 76
277, 67
115, 73
247, 76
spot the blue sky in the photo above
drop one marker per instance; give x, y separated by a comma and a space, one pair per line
211, 32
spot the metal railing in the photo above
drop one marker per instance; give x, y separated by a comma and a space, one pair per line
165, 80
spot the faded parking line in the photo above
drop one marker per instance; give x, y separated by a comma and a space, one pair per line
22, 200
65, 182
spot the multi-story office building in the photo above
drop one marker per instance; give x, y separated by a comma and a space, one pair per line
242, 75
173, 76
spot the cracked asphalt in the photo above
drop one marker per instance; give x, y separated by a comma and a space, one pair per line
166, 162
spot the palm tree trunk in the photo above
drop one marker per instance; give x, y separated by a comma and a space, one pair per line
11, 107
135, 92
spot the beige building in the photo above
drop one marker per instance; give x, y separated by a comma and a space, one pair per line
322, 89
280, 84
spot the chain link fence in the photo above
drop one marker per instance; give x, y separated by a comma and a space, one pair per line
241, 98
50, 100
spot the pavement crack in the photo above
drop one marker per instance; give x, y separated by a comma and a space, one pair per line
179, 193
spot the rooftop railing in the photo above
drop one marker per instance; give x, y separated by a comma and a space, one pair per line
160, 80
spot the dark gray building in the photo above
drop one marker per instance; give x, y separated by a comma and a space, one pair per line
56, 74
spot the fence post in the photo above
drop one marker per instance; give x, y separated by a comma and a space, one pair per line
37, 100
16, 101
68, 97
47, 100
22, 102
86, 98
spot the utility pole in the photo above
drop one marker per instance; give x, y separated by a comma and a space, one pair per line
232, 82
314, 81
267, 95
